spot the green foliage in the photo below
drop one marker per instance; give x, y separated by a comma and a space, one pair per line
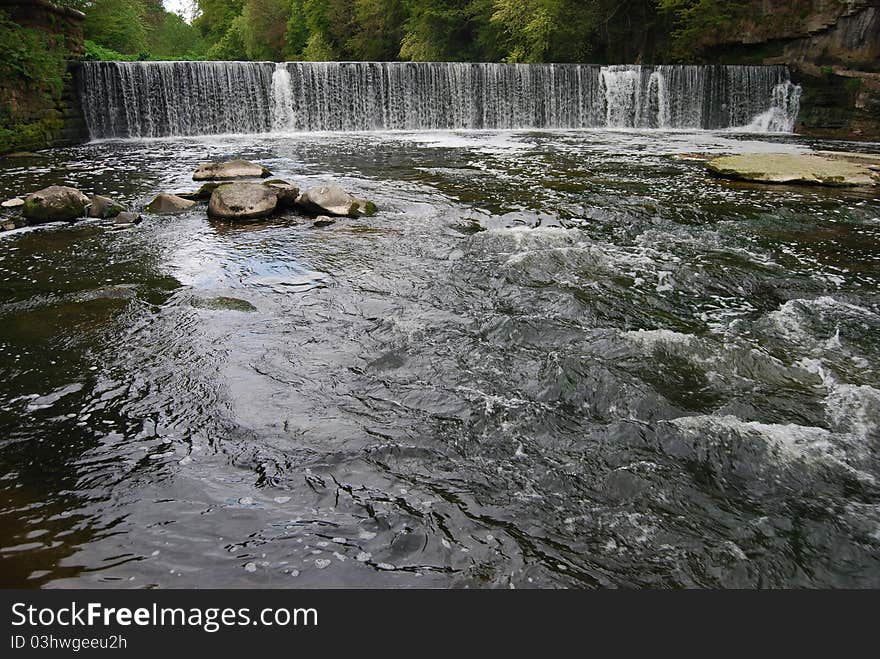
264, 28
30, 135
139, 29
28, 61
546, 30
171, 38
430, 30
231, 46
698, 22
117, 24
97, 53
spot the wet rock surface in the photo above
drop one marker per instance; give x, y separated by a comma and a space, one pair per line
242, 202
168, 204
333, 200
234, 169
788, 168
56, 203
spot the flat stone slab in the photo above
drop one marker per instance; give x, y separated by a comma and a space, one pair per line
16, 202
790, 168
229, 171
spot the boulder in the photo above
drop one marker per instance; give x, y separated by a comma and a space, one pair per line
333, 200
104, 208
242, 201
166, 204
202, 194
228, 171
7, 225
55, 204
323, 221
782, 168
127, 218
15, 202
287, 193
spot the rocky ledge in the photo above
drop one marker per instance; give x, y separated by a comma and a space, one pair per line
835, 170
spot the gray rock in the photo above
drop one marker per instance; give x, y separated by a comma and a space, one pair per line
165, 204
15, 202
790, 168
7, 225
202, 194
324, 221
55, 204
287, 193
242, 201
104, 208
128, 218
333, 200
227, 171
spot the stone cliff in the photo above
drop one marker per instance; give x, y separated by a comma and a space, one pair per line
832, 47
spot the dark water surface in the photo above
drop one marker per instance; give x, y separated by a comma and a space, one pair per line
552, 360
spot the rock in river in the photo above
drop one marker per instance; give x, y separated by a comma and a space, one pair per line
333, 200
104, 208
242, 201
287, 193
227, 171
166, 204
55, 204
202, 194
128, 218
15, 202
804, 169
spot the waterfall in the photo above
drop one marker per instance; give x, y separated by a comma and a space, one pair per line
158, 99
283, 114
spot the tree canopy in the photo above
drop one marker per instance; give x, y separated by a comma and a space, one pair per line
418, 30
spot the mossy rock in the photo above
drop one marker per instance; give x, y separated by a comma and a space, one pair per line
55, 204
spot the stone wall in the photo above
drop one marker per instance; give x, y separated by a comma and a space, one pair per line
34, 123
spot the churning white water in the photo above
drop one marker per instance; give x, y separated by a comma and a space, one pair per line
283, 114
157, 99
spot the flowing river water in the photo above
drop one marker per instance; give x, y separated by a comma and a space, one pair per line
553, 359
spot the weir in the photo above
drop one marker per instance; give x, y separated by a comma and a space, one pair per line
162, 99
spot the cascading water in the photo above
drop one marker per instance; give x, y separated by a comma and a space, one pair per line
157, 99
283, 114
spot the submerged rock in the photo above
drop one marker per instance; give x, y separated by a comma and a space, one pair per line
57, 203
242, 201
15, 202
803, 169
7, 225
333, 200
104, 208
128, 218
224, 304
324, 221
166, 204
227, 171
287, 193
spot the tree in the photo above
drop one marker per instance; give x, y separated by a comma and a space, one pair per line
546, 30
117, 24
454, 30
378, 29
264, 28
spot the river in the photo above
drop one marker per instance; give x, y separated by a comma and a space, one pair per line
553, 359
